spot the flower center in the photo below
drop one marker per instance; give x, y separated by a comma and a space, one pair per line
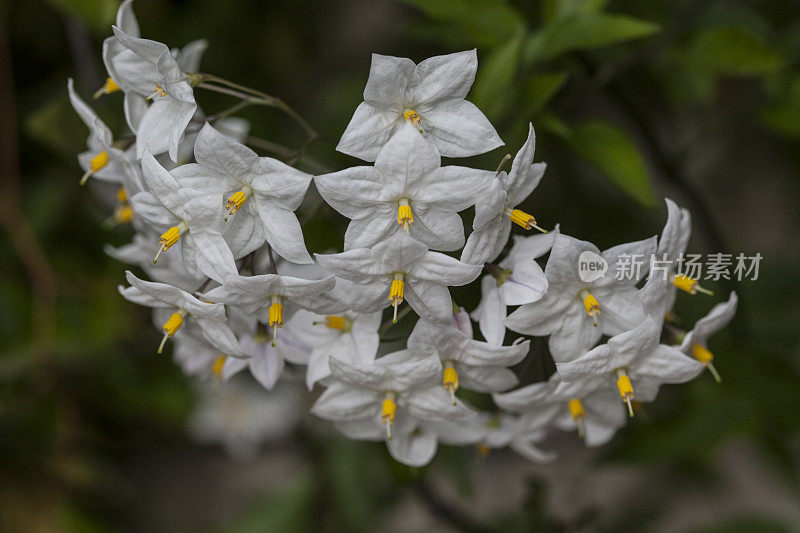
217, 365
388, 409
591, 305
704, 355
690, 285
523, 219
575, 407
275, 317
159, 91
625, 389
123, 214
483, 449
237, 200
171, 326
337, 322
413, 117
396, 292
110, 86
170, 237
450, 380
95, 164
404, 215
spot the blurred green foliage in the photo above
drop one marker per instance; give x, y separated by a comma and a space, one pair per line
626, 96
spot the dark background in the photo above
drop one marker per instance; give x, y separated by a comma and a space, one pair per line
632, 101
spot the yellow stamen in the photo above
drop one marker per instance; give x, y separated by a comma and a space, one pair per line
237, 200
704, 355
396, 292
159, 91
575, 407
336, 322
591, 305
123, 214
217, 365
122, 195
625, 389
388, 410
483, 449
275, 317
523, 219
413, 116
450, 380
96, 163
171, 326
169, 238
690, 285
404, 215
110, 86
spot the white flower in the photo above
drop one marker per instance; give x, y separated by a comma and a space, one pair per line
496, 208
401, 268
102, 160
576, 313
517, 280
638, 363
695, 343
166, 83
430, 96
191, 217
261, 194
467, 363
350, 337
184, 310
406, 189
253, 293
195, 355
658, 294
591, 405
169, 269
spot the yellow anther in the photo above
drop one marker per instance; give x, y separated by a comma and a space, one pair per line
388, 409
235, 202
110, 86
704, 355
690, 285
483, 449
625, 389
275, 317
523, 219
123, 214
217, 365
396, 292
159, 91
592, 306
404, 215
414, 118
336, 322
169, 238
122, 195
171, 326
575, 407
450, 380
96, 163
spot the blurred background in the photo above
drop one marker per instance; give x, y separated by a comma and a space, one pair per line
631, 100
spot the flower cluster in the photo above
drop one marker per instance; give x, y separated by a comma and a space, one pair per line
235, 289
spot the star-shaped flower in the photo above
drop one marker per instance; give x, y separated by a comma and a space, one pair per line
430, 96
406, 189
695, 343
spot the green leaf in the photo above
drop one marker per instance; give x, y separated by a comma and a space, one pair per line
782, 112
583, 31
540, 88
615, 154
553, 9
495, 76
99, 14
552, 124
733, 51
488, 23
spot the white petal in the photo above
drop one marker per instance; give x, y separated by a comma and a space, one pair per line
282, 231
442, 78
368, 131
459, 129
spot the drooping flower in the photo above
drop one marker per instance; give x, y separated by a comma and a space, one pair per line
169, 269
261, 194
430, 96
576, 313
407, 189
695, 343
496, 209
638, 363
401, 268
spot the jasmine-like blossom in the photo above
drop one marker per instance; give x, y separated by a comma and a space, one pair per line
496, 208
260, 194
401, 268
169, 269
695, 342
636, 361
576, 313
429, 96
407, 189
